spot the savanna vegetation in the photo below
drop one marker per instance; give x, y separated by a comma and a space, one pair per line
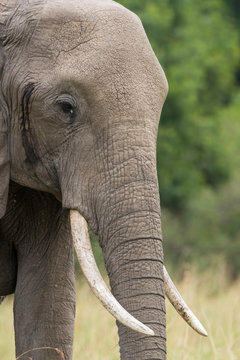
209, 295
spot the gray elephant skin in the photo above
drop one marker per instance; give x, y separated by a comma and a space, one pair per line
81, 96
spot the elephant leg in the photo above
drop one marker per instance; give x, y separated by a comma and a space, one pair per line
44, 304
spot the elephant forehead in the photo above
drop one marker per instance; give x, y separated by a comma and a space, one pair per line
79, 5
99, 42
83, 16
76, 8
89, 25
97, 37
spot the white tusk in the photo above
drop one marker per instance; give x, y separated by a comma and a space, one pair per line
89, 267
179, 304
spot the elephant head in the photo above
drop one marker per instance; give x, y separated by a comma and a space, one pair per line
81, 96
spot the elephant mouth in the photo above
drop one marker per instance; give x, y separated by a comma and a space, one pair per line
83, 248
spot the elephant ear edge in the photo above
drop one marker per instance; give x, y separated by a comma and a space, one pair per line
4, 152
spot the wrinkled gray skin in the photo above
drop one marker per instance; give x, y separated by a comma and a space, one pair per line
81, 96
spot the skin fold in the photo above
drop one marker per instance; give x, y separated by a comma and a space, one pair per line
80, 100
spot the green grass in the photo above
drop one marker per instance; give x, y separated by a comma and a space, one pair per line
215, 302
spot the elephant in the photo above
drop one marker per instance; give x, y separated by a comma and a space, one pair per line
80, 101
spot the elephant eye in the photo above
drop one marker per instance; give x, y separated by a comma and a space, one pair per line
67, 107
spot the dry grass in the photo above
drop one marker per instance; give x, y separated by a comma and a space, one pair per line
214, 301
217, 306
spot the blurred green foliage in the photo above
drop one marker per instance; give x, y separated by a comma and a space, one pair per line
208, 230
197, 44
198, 150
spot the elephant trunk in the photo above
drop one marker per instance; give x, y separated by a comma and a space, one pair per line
126, 216
130, 236
138, 285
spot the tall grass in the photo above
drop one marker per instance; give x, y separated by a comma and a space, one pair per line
216, 303
210, 296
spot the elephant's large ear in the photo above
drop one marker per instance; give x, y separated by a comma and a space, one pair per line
4, 156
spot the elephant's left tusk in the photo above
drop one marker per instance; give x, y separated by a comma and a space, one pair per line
179, 304
89, 267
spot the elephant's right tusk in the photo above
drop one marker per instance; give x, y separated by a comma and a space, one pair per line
89, 267
179, 304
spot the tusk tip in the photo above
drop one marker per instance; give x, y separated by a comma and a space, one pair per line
150, 332
196, 325
180, 305
143, 329
203, 332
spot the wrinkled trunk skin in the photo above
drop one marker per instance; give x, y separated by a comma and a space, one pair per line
130, 235
133, 258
